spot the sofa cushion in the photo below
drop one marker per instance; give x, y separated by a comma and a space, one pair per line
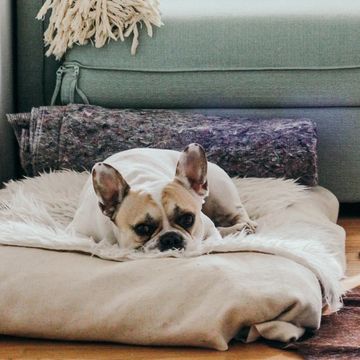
258, 53
243, 35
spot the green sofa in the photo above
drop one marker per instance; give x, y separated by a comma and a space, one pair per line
262, 58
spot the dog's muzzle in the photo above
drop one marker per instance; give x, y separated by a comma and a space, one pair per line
171, 240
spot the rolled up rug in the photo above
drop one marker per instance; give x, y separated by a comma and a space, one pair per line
77, 136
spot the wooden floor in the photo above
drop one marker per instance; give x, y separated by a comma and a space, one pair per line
352, 227
37, 349
15, 348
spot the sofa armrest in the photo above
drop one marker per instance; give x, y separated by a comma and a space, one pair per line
35, 73
7, 143
8, 153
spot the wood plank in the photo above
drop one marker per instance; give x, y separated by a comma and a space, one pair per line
21, 349
352, 249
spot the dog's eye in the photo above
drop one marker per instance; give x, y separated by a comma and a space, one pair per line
186, 221
144, 229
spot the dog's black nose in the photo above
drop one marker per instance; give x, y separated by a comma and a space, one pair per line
171, 240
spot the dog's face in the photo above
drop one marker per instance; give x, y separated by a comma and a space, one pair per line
167, 216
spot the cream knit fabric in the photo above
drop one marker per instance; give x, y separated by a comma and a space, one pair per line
80, 21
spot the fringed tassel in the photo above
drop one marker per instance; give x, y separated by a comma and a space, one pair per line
80, 21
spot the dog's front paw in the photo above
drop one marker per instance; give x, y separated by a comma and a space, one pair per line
250, 226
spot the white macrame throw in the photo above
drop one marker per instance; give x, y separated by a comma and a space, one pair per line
80, 21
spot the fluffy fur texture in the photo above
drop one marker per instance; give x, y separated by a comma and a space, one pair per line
78, 21
294, 222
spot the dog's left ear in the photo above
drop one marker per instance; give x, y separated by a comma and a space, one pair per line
191, 169
110, 187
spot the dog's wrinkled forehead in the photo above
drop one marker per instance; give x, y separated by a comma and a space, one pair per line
138, 206
161, 202
175, 196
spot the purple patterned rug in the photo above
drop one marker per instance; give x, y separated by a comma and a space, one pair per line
339, 334
77, 136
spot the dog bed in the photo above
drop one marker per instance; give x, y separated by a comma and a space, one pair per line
273, 284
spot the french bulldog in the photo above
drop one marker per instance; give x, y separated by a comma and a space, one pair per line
159, 200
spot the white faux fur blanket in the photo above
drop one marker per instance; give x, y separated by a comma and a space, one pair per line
80, 21
294, 222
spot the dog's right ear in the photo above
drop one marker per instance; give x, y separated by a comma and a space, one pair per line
110, 187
